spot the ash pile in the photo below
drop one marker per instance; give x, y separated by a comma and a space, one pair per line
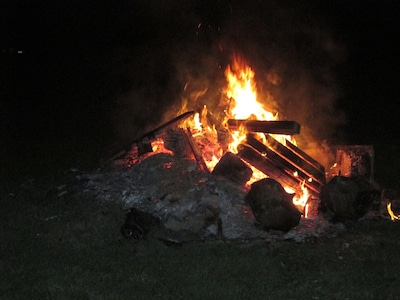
189, 203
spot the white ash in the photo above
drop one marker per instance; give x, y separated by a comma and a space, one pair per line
188, 199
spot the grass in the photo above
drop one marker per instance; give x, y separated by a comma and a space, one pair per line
70, 248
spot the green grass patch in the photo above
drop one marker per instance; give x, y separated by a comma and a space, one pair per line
71, 248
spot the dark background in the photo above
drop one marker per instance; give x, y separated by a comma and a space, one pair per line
92, 73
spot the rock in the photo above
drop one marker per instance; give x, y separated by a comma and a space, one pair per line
272, 206
138, 224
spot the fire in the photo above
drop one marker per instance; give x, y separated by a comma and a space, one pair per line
242, 103
301, 201
391, 213
242, 93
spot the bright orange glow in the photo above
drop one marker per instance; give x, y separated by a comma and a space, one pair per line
391, 213
241, 91
158, 146
301, 201
242, 103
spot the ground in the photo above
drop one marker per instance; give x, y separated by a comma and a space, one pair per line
71, 247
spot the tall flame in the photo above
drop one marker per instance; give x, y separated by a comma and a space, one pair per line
241, 91
242, 103
242, 94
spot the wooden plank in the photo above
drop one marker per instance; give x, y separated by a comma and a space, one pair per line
146, 139
305, 156
283, 164
196, 151
291, 156
270, 168
274, 127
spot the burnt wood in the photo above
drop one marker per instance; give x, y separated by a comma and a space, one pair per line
275, 127
273, 208
305, 156
233, 168
144, 142
288, 154
267, 166
196, 151
347, 198
282, 164
177, 141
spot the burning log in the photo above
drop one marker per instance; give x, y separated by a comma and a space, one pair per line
272, 206
265, 165
177, 142
143, 143
306, 158
347, 198
354, 160
315, 172
196, 152
281, 164
274, 127
233, 168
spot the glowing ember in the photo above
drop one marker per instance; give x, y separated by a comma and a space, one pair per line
158, 145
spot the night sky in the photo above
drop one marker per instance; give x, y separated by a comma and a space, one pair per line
111, 69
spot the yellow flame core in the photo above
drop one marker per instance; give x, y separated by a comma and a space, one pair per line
242, 104
391, 213
241, 91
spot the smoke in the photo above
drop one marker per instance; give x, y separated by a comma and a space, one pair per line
174, 53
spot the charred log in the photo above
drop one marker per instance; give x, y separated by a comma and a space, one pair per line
272, 206
233, 168
310, 170
275, 127
177, 141
265, 165
144, 142
283, 164
347, 198
306, 157
196, 152
354, 160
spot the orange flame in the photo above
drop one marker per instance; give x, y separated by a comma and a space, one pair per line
242, 93
242, 103
391, 213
